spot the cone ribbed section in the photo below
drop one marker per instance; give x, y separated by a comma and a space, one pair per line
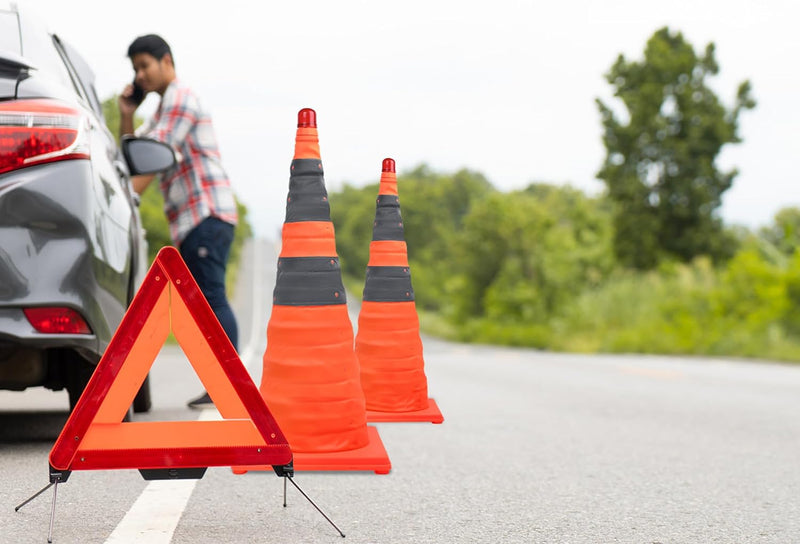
388, 344
310, 375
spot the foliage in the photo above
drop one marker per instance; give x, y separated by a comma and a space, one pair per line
660, 166
479, 253
433, 207
352, 213
784, 233
742, 309
524, 254
156, 227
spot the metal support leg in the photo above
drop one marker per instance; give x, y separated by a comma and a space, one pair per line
284, 490
314, 505
52, 513
45, 488
54, 485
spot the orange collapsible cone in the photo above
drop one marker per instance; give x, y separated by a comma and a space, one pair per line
310, 373
388, 345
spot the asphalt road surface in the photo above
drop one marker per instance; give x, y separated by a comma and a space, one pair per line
535, 448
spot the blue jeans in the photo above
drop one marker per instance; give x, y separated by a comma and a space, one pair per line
205, 251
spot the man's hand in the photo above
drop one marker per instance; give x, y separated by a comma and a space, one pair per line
127, 107
141, 182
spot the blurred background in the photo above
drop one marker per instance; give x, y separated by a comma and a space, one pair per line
574, 176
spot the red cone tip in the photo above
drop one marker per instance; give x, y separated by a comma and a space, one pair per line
307, 118
388, 165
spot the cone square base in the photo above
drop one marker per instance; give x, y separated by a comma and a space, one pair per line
372, 457
430, 414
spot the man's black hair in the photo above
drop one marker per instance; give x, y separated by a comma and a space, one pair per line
150, 43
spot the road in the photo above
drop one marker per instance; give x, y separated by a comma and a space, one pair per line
536, 448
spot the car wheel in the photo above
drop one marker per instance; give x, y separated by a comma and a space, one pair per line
142, 401
80, 372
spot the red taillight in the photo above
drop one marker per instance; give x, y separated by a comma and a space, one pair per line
57, 321
39, 131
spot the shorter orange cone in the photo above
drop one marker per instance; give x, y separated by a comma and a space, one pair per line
388, 345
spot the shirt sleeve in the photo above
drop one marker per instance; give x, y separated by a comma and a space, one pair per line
178, 115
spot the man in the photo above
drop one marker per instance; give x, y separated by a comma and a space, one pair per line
198, 199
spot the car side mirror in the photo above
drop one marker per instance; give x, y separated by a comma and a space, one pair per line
147, 156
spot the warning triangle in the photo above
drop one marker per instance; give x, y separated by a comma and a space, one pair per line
95, 437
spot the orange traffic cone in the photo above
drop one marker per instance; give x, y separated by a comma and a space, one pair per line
310, 373
388, 345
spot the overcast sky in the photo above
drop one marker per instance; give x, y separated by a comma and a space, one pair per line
506, 88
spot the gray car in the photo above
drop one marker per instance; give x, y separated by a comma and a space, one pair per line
72, 248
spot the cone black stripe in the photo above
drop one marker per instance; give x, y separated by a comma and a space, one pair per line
388, 221
388, 284
309, 281
315, 280
308, 198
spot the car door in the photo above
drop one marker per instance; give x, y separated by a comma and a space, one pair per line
120, 237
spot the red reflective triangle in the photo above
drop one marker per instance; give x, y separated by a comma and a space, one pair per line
95, 437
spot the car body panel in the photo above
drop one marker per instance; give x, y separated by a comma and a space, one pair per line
58, 247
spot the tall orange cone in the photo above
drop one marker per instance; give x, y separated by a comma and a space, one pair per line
310, 376
388, 345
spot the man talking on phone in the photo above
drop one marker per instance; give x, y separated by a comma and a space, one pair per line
198, 199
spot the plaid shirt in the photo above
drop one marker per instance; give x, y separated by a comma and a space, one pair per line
197, 187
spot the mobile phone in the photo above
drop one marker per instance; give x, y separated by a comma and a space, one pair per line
138, 94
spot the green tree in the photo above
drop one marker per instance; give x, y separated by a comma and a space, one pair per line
784, 233
660, 166
353, 213
522, 256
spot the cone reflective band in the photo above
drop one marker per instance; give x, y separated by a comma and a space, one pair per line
310, 374
388, 345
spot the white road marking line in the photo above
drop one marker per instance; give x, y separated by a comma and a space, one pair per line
154, 516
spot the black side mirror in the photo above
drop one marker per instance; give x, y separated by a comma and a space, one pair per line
147, 156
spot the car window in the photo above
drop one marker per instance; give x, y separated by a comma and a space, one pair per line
9, 32
85, 76
40, 49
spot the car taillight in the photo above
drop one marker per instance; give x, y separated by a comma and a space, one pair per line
57, 320
38, 131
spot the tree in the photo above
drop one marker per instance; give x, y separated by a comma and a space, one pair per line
352, 214
522, 256
784, 233
660, 168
